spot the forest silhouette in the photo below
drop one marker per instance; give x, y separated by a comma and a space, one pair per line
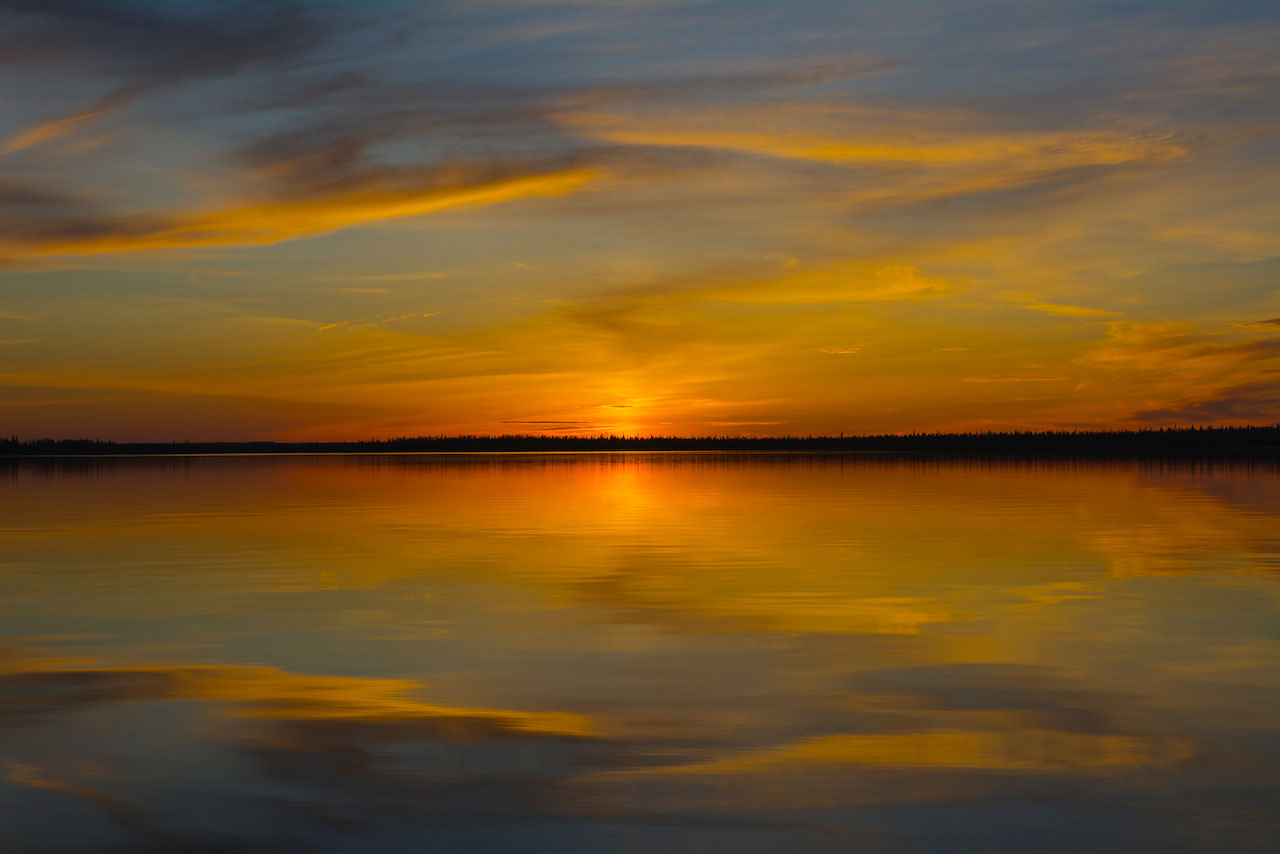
1261, 441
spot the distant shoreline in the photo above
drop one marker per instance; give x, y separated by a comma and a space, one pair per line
1190, 442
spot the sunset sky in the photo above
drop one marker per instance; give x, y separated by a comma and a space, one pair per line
329, 220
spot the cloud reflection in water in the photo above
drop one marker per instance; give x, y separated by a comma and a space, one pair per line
637, 652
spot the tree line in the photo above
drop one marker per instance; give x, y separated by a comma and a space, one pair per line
1165, 441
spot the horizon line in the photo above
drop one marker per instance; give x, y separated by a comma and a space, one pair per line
1179, 434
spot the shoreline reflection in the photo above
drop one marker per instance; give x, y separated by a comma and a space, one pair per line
641, 651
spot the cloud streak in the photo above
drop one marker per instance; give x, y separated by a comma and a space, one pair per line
1014, 379
1191, 375
373, 321
276, 221
915, 155
1032, 301
58, 127
1037, 152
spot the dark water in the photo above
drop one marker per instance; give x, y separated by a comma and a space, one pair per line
664, 652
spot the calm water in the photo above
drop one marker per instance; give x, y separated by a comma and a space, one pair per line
633, 652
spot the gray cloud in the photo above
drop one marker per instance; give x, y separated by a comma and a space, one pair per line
1252, 402
149, 43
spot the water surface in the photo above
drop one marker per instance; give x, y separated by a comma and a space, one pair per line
638, 652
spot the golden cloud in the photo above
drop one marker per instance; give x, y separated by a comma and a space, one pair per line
846, 282
1033, 301
845, 136
275, 222
1013, 379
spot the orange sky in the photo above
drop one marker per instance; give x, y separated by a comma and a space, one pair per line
337, 221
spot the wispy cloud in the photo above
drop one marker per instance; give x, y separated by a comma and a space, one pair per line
1039, 151
744, 423
850, 282
1033, 301
1240, 403
1187, 373
1271, 325
1181, 349
922, 154
512, 421
1014, 379
373, 321
388, 277
58, 127
257, 224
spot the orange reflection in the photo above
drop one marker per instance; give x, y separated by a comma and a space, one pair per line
600, 637
1043, 751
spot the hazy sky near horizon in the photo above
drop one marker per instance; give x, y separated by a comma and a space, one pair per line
328, 220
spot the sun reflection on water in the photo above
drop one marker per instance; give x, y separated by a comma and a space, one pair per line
762, 652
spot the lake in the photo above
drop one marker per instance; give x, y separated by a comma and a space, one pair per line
678, 652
